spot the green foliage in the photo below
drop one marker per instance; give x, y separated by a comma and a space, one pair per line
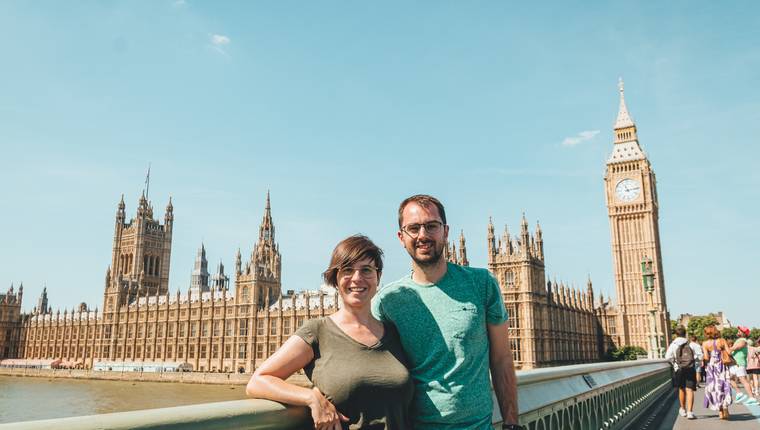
754, 334
625, 353
697, 327
673, 326
729, 333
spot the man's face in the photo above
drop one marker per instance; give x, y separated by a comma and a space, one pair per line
424, 245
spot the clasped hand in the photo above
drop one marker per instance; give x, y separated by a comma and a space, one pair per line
323, 412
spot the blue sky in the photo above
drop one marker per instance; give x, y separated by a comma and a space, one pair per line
342, 109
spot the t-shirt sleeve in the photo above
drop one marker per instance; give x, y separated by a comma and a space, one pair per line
377, 308
308, 332
495, 311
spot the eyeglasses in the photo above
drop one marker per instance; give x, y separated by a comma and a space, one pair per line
413, 230
366, 272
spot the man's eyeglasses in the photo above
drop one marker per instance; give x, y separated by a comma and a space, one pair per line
413, 230
366, 272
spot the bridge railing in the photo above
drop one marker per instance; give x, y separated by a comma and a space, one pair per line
585, 396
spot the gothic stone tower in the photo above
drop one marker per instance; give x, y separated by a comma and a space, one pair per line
632, 206
260, 281
518, 265
140, 257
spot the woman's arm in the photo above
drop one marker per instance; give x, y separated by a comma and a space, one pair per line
268, 382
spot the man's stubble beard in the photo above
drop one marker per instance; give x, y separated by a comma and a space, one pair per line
434, 259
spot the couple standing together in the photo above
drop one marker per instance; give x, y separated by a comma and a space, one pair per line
418, 355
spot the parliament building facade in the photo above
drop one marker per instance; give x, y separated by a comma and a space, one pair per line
215, 328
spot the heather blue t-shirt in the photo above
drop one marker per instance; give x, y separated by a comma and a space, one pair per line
443, 331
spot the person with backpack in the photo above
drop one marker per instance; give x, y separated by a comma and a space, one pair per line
683, 356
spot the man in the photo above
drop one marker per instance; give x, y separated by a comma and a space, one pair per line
453, 327
739, 350
698, 358
683, 356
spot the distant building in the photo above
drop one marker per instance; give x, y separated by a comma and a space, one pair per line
633, 209
10, 321
723, 322
549, 323
208, 326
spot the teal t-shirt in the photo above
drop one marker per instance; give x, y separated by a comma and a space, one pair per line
443, 331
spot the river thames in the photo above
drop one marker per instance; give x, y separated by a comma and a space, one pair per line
30, 398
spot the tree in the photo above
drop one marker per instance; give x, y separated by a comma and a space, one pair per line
625, 353
697, 326
729, 333
673, 326
754, 334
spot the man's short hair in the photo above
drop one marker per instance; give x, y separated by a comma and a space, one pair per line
680, 331
422, 200
347, 252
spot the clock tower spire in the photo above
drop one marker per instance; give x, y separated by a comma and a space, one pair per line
633, 210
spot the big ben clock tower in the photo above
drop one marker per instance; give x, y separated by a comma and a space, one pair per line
632, 206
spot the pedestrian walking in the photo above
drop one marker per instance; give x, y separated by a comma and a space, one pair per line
753, 366
698, 358
716, 360
738, 370
683, 356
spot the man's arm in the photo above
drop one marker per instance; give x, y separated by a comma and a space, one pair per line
503, 371
738, 344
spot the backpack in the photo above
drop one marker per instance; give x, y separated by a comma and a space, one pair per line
685, 356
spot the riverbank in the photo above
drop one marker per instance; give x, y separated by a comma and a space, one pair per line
174, 377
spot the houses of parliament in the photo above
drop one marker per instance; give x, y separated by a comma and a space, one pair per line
214, 327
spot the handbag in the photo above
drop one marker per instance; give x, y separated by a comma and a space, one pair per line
725, 357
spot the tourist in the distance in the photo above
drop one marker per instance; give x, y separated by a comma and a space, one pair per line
355, 362
717, 359
753, 366
698, 359
739, 350
683, 356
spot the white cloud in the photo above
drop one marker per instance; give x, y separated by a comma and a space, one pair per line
580, 137
179, 3
220, 40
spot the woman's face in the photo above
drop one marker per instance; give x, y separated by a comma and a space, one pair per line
357, 284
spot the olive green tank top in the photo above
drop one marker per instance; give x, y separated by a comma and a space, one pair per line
368, 384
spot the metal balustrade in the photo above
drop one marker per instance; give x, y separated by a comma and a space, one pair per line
584, 396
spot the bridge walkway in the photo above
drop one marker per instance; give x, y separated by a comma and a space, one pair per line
743, 417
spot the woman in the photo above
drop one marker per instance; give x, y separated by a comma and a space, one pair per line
753, 366
355, 362
717, 387
739, 350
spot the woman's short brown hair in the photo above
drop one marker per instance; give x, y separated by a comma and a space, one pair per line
711, 332
347, 252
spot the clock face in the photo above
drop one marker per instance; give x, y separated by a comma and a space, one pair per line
627, 190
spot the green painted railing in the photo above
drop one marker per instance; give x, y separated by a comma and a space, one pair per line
584, 396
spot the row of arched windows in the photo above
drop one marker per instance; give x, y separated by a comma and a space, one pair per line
125, 263
151, 265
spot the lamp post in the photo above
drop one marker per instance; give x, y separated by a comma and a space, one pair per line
647, 275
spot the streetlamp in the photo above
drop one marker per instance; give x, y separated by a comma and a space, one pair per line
647, 275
